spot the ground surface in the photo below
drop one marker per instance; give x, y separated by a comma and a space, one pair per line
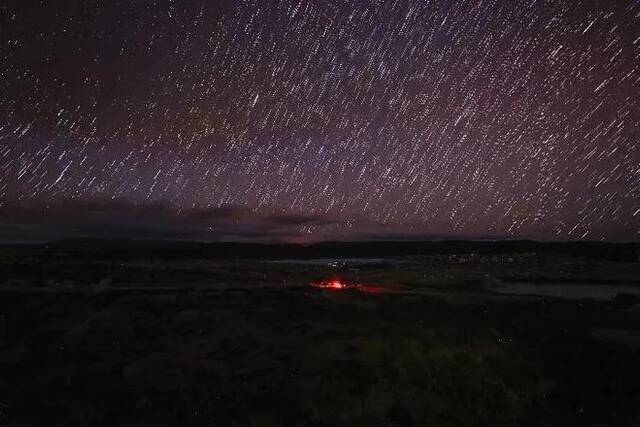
444, 340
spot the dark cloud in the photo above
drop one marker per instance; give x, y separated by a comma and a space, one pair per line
120, 219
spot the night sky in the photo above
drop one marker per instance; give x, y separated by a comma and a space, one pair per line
316, 119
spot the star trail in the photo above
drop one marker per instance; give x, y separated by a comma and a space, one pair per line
518, 119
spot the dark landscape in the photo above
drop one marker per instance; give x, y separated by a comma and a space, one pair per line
319, 213
399, 333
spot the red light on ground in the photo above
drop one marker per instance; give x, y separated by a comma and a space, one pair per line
331, 284
338, 284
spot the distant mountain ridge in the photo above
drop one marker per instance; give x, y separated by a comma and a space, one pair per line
183, 249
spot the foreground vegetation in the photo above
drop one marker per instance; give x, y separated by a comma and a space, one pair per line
311, 358
110, 343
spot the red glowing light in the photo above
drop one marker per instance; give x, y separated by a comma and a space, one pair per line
337, 284
331, 284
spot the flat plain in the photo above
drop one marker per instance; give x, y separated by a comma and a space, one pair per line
530, 336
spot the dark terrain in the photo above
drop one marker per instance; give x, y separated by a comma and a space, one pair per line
422, 333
